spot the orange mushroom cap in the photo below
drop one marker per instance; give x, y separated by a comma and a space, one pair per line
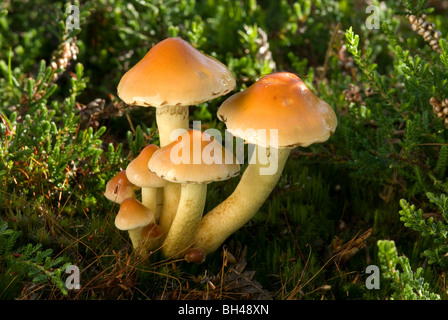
133, 214
174, 73
119, 188
191, 166
152, 231
279, 101
138, 173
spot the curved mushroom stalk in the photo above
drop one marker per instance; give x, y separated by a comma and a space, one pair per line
280, 102
182, 232
234, 212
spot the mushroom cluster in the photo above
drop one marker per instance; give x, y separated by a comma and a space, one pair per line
274, 115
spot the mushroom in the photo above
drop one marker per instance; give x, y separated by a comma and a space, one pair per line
195, 255
138, 173
172, 76
279, 101
193, 161
133, 216
119, 188
151, 234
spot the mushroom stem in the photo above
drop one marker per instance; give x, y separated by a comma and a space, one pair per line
168, 119
183, 229
171, 118
150, 238
142, 241
249, 195
159, 200
171, 195
149, 199
135, 235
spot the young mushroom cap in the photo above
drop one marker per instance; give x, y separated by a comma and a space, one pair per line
195, 255
194, 158
133, 215
120, 188
279, 101
151, 235
174, 73
138, 173
151, 231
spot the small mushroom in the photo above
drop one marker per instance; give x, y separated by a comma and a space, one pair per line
195, 255
133, 216
119, 188
138, 174
184, 162
279, 101
151, 235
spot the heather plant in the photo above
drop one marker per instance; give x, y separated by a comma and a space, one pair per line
27, 262
405, 284
431, 225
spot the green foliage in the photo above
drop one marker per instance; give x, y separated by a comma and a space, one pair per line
444, 48
401, 127
427, 227
396, 270
29, 261
45, 155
